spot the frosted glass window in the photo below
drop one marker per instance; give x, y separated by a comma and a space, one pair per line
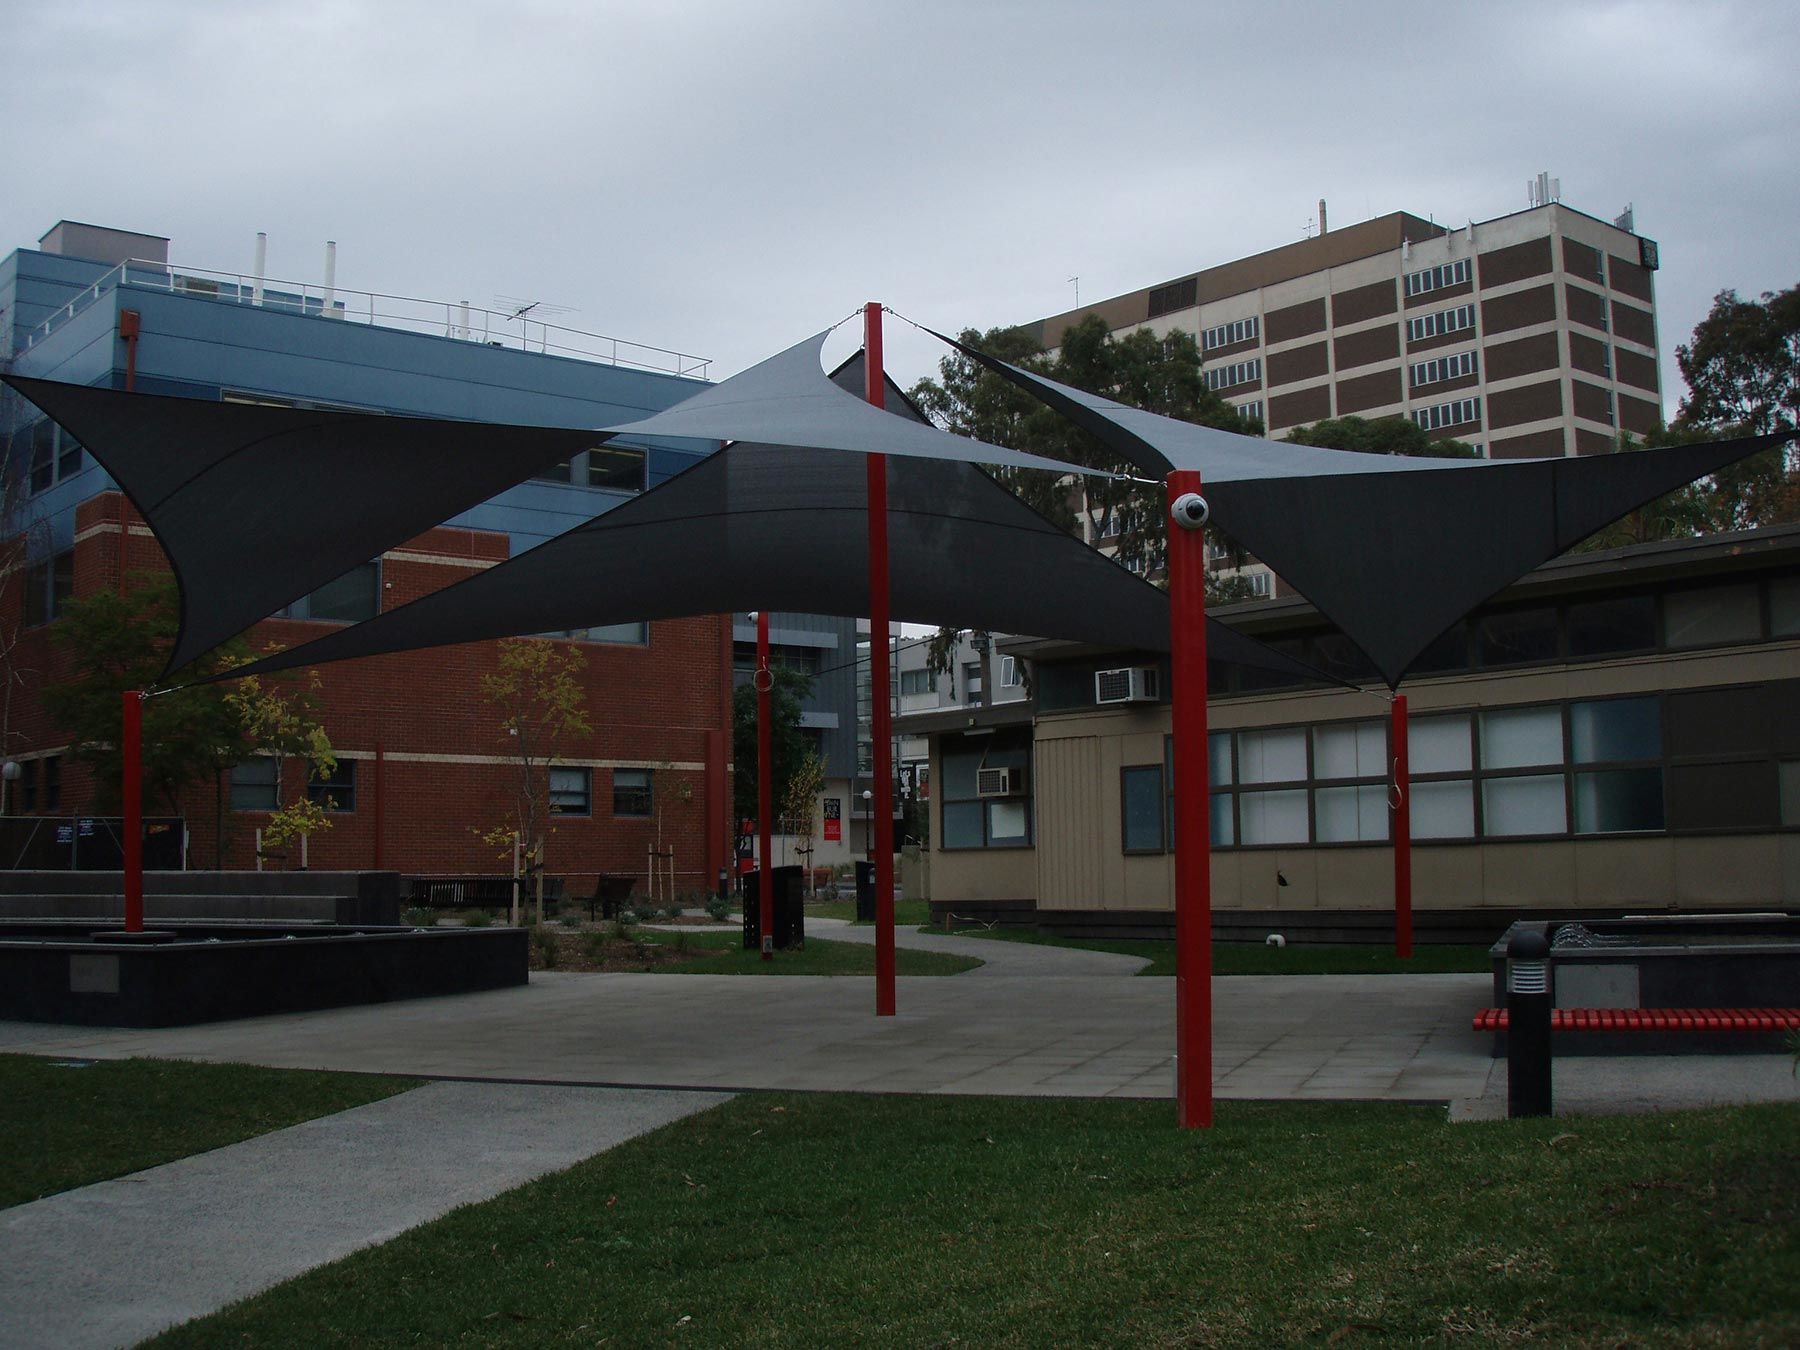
1618, 800
1790, 793
1219, 757
1222, 831
1443, 810
1346, 814
1784, 607
962, 825
1438, 745
1141, 806
1523, 805
1273, 817
1517, 738
1007, 822
1271, 757
1620, 728
1350, 750
1713, 617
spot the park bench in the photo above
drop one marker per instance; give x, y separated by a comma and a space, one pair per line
1655, 1019
611, 891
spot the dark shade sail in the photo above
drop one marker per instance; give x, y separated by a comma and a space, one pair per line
781, 528
258, 506
1392, 549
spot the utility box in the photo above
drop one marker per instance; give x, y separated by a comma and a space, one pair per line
790, 914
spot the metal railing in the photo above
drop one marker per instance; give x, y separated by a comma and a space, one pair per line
456, 319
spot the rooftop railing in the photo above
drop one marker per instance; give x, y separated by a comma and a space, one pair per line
456, 319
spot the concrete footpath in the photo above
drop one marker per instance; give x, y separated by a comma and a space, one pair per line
114, 1263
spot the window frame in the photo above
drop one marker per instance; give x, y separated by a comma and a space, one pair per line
629, 794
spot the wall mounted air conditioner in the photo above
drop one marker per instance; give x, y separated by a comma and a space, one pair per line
1129, 684
999, 782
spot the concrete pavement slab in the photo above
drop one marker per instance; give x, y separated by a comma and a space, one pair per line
114, 1263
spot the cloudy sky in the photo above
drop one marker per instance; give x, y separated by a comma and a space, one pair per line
725, 177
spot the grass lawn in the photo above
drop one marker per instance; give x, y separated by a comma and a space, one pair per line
724, 954
67, 1127
907, 913
1248, 958
835, 1220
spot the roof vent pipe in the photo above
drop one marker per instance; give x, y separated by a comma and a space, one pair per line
262, 260
330, 277
1321, 215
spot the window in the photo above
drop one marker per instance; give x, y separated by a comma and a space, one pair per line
1011, 674
351, 598
1516, 637
1790, 793
336, 793
1243, 330
918, 682
1251, 411
625, 634
556, 473
1239, 372
1442, 368
1784, 607
1621, 797
1716, 616
971, 679
1451, 414
571, 791
253, 784
1141, 808
1440, 322
68, 456
28, 786
43, 454
1262, 584
616, 468
53, 783
48, 588
1607, 627
969, 820
1353, 758
1437, 278
631, 791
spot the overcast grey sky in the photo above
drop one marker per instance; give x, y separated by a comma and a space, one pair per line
724, 178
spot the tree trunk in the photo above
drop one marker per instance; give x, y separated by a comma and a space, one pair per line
538, 888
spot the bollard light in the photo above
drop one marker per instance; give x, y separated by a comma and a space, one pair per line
1528, 1001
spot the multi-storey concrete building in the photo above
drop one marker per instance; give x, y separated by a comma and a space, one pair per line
1528, 335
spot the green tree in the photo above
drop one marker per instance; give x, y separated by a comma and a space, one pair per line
1742, 365
1161, 374
538, 692
788, 746
194, 733
1379, 436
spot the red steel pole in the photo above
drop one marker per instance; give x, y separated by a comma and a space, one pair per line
765, 789
131, 791
881, 710
1193, 815
1402, 803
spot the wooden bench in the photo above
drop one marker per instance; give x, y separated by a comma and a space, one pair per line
1655, 1019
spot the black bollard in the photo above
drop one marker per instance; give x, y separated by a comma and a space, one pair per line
1528, 1024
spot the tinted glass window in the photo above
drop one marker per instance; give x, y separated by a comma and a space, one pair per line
1516, 637
1713, 617
1602, 627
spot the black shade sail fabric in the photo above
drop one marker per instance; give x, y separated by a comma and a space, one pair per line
257, 506
1392, 549
783, 528
789, 400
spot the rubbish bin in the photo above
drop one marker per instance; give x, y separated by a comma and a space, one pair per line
790, 915
865, 892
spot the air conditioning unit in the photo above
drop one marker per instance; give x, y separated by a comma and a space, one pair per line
1130, 684
999, 782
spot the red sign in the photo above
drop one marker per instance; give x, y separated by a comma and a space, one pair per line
834, 821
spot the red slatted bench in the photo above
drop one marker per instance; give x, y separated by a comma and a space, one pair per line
1655, 1019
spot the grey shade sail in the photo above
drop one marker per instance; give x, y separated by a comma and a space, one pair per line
1393, 550
257, 506
784, 528
788, 400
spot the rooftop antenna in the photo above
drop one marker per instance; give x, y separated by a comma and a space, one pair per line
1076, 283
523, 311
